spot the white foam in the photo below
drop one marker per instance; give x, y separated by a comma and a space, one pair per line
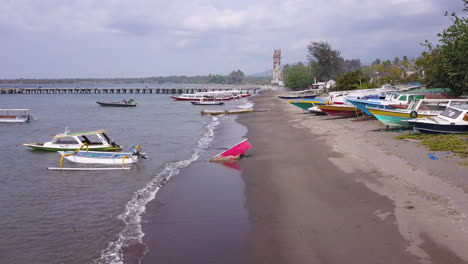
132, 232
246, 105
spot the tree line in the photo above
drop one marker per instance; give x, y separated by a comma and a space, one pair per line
443, 65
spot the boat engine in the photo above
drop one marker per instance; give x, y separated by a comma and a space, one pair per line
137, 151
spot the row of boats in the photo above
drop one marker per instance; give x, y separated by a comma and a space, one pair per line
422, 109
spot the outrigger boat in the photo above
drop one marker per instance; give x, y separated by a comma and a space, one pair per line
123, 103
226, 112
96, 140
15, 116
99, 157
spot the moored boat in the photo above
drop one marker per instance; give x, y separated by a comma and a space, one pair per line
226, 112
206, 96
15, 116
123, 103
453, 120
99, 157
96, 140
201, 102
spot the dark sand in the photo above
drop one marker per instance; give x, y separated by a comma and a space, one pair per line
301, 206
304, 209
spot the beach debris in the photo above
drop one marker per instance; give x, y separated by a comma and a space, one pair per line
432, 156
233, 153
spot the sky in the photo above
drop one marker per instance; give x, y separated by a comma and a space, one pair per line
143, 38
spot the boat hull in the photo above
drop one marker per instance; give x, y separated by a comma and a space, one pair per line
15, 120
394, 118
439, 128
116, 104
226, 112
207, 103
306, 104
40, 146
340, 110
198, 99
105, 158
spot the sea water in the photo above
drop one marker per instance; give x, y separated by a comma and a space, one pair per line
89, 216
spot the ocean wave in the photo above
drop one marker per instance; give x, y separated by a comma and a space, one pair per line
132, 233
246, 105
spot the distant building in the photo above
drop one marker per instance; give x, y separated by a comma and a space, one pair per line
276, 79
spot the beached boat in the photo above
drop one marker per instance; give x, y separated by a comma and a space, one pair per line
202, 102
15, 116
452, 120
305, 104
315, 110
342, 110
123, 103
417, 109
105, 158
226, 112
233, 153
96, 140
305, 94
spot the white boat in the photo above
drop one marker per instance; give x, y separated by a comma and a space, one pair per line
15, 116
95, 140
453, 120
100, 157
205, 96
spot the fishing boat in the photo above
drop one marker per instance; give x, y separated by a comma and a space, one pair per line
305, 104
233, 153
105, 158
123, 103
304, 94
416, 109
342, 110
15, 116
226, 112
315, 110
206, 96
95, 140
453, 120
202, 102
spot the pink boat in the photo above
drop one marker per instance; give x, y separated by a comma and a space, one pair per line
234, 153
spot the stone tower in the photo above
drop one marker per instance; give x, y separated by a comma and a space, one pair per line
277, 68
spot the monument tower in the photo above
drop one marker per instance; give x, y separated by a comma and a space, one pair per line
277, 68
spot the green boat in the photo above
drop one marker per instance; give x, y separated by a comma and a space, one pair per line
95, 140
304, 105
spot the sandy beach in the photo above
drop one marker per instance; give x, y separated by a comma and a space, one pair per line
334, 190
313, 189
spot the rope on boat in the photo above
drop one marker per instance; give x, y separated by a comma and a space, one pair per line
73, 153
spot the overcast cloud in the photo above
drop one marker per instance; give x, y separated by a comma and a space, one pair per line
138, 38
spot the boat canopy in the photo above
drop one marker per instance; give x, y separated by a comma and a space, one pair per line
61, 135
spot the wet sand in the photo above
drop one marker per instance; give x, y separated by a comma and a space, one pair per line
318, 193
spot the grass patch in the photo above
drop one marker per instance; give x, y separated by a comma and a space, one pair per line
455, 143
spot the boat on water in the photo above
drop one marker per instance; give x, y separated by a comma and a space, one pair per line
95, 140
233, 153
202, 102
453, 120
416, 109
226, 112
207, 96
15, 116
105, 158
123, 103
341, 110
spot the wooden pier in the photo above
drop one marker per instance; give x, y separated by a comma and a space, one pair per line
127, 90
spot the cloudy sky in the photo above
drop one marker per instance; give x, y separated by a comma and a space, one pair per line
139, 38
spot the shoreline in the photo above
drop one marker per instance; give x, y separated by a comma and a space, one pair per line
315, 184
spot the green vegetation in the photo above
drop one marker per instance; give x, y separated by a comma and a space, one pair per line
446, 64
352, 80
457, 144
297, 77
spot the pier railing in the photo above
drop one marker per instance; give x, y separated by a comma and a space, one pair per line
126, 90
